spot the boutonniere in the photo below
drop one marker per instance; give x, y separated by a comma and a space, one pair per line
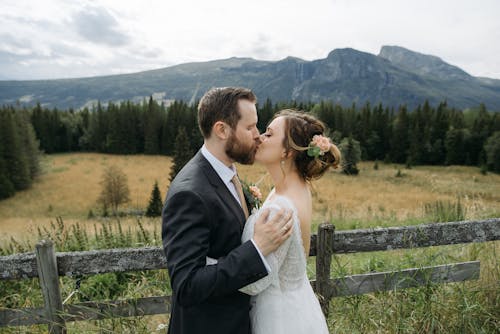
253, 195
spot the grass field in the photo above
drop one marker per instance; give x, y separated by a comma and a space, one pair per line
69, 186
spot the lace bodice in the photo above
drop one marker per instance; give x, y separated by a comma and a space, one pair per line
288, 262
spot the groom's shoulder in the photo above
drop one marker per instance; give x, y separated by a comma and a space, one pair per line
191, 176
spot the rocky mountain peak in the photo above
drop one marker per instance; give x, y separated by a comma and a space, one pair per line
422, 64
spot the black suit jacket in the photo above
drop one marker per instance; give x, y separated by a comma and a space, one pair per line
202, 218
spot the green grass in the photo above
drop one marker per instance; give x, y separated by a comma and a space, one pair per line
467, 307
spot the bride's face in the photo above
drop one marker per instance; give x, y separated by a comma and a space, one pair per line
271, 148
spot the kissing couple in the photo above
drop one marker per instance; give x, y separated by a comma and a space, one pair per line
232, 272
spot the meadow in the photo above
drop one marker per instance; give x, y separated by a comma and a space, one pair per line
62, 204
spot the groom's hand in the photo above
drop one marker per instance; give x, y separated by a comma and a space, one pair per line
268, 236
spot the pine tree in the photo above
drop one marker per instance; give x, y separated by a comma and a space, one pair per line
481, 130
455, 146
29, 143
362, 129
114, 140
6, 186
152, 127
174, 120
182, 152
440, 125
131, 128
196, 139
351, 155
155, 202
98, 129
492, 149
400, 142
415, 136
39, 125
265, 112
16, 162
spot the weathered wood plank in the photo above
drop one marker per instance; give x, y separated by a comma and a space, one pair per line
23, 317
388, 281
89, 311
323, 262
437, 234
130, 259
49, 284
408, 278
18, 266
114, 309
86, 262
110, 260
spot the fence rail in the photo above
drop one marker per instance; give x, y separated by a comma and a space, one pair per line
49, 265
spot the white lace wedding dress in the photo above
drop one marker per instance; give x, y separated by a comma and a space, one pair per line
284, 302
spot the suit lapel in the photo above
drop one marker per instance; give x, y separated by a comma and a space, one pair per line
221, 189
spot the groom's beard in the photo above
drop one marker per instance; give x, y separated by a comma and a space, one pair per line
239, 152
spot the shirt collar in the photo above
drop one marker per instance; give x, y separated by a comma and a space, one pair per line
224, 172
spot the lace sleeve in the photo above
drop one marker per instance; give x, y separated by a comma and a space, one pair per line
275, 259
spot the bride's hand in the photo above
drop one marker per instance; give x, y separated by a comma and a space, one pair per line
268, 236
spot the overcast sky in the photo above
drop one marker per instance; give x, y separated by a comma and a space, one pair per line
46, 39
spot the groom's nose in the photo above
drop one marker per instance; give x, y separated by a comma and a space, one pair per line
256, 134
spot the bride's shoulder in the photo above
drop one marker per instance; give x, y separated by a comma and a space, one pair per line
278, 202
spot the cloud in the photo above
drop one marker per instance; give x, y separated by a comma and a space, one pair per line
263, 47
97, 25
59, 38
9, 44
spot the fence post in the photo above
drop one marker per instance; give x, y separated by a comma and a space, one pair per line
49, 283
324, 253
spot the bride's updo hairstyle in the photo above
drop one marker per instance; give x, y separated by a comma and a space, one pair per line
300, 132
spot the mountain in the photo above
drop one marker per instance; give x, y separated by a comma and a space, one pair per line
395, 76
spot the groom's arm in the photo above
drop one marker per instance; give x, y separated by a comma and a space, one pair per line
186, 241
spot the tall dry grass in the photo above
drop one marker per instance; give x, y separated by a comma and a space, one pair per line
69, 188
376, 196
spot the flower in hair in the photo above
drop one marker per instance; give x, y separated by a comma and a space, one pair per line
319, 145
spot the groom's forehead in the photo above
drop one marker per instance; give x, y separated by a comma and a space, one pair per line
248, 114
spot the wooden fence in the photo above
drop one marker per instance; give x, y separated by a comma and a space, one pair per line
48, 265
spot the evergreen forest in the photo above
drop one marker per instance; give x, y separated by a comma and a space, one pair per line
426, 135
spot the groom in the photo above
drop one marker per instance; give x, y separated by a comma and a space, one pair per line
204, 215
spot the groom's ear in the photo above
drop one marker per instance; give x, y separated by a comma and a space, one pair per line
221, 130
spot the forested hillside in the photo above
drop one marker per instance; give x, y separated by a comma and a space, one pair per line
430, 135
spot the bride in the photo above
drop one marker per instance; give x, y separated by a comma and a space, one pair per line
294, 151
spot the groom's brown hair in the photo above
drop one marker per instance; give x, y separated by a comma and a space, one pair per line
221, 104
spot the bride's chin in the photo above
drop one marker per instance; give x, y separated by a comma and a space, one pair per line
258, 159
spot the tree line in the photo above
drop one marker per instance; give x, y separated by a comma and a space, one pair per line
125, 128
426, 135
19, 153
